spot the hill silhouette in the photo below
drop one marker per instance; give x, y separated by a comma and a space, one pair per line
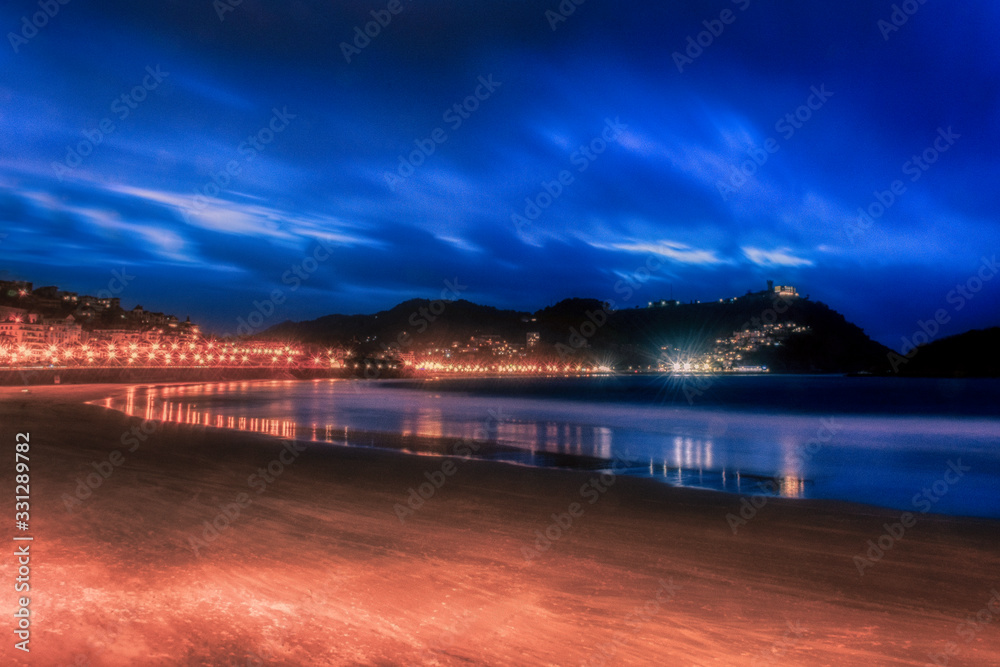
582, 329
971, 354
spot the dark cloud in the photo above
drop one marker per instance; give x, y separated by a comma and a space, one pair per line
145, 195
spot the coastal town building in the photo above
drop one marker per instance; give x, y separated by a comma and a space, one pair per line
31, 331
36, 320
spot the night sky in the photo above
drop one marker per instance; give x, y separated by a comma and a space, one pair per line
329, 134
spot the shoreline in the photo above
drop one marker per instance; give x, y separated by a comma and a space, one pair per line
320, 551
81, 375
734, 481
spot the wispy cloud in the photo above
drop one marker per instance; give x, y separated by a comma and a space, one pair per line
777, 257
678, 252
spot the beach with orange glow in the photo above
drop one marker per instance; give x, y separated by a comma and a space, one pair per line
162, 539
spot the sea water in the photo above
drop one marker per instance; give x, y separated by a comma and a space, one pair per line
921, 445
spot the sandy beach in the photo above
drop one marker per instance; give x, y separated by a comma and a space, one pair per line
165, 544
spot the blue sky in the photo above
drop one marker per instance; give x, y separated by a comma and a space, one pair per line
143, 198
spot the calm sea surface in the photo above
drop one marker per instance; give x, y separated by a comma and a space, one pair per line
883, 441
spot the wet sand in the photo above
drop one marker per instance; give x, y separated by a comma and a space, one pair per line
310, 563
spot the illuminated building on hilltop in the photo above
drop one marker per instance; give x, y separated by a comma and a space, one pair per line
781, 290
785, 291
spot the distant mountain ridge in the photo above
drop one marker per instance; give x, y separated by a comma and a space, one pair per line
974, 353
582, 329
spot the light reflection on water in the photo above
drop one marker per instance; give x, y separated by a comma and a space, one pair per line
686, 462
876, 459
